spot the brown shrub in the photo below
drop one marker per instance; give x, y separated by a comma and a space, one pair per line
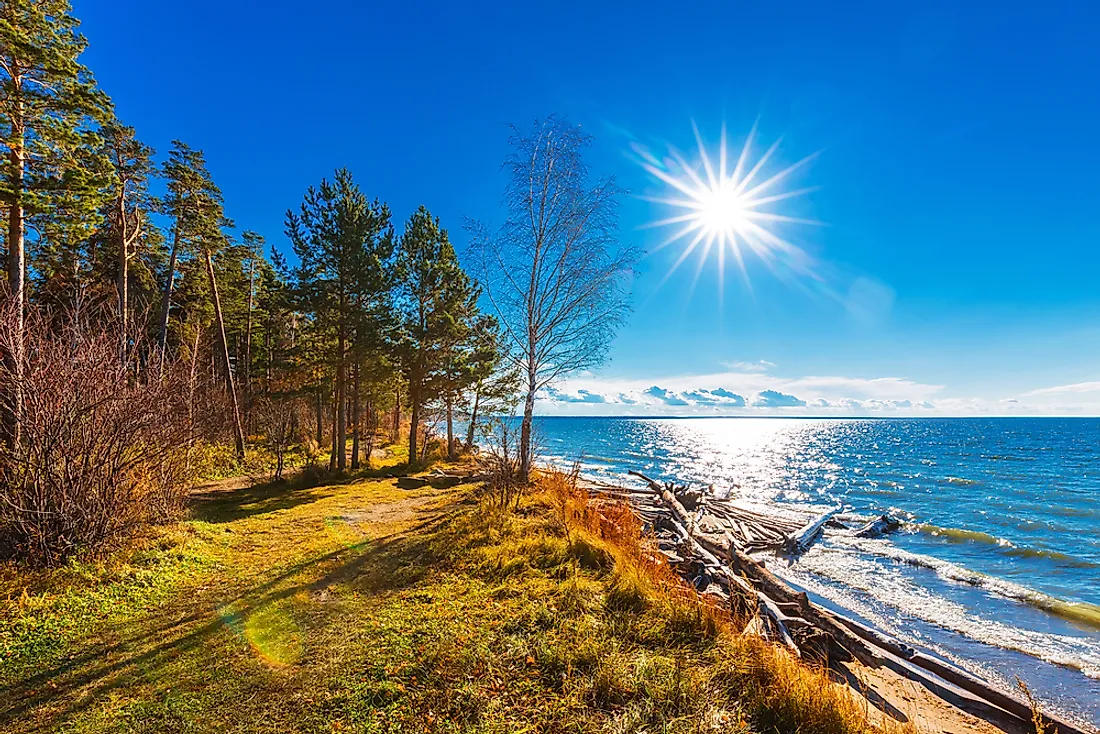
103, 437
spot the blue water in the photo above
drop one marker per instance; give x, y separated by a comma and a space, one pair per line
998, 566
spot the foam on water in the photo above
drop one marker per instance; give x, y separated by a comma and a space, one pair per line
997, 567
862, 571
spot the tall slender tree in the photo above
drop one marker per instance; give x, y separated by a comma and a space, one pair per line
554, 273
438, 304
254, 248
334, 233
129, 206
494, 377
186, 203
195, 202
49, 107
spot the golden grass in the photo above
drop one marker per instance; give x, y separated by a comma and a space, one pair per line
774, 690
359, 607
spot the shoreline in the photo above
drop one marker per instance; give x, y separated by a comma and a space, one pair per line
890, 691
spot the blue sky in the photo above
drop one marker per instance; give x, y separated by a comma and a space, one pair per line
957, 173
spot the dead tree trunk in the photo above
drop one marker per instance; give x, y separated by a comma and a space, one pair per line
223, 343
169, 282
473, 418
14, 354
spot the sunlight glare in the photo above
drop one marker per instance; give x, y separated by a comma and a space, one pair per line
721, 210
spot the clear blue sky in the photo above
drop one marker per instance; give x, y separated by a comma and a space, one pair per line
958, 173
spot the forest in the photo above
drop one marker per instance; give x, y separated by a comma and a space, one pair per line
149, 340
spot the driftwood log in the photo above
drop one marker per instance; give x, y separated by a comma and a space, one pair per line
788, 616
801, 539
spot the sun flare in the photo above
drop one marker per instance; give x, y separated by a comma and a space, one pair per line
728, 211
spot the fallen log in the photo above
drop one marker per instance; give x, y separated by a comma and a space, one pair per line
804, 536
819, 632
716, 567
778, 619
954, 675
879, 526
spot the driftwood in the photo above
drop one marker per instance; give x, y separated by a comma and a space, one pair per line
878, 526
779, 612
801, 539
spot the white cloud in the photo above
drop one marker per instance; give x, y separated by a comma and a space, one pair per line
1076, 387
740, 391
761, 365
758, 392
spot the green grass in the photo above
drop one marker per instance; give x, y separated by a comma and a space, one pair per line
357, 606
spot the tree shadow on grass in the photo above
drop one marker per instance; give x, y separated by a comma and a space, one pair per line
221, 506
218, 505
145, 650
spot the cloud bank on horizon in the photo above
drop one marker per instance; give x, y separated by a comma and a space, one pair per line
751, 388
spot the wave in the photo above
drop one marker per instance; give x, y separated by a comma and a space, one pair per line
861, 584
1007, 547
961, 481
1075, 611
959, 535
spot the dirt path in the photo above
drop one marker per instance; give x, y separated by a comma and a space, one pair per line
234, 598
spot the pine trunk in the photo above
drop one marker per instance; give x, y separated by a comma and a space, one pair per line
341, 440
372, 425
396, 414
355, 417
332, 426
224, 345
166, 303
450, 428
246, 386
17, 293
320, 409
123, 269
414, 424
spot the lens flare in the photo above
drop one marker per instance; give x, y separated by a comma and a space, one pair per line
728, 211
269, 630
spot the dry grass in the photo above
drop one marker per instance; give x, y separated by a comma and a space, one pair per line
362, 607
766, 685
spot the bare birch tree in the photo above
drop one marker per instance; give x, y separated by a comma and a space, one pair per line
555, 272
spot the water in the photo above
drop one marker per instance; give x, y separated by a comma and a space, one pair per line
997, 568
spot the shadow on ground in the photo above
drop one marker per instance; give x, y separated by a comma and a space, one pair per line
141, 649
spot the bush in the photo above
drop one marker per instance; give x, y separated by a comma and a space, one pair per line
501, 461
103, 437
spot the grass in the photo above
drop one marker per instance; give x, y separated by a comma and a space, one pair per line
360, 607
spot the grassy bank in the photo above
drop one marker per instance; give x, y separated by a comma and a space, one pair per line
357, 606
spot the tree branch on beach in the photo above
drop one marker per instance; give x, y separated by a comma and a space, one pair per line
555, 272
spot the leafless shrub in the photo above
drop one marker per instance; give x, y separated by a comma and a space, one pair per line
503, 462
281, 420
103, 443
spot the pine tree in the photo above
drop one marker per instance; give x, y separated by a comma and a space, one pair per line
494, 377
127, 216
337, 235
254, 247
437, 301
195, 202
49, 105
186, 203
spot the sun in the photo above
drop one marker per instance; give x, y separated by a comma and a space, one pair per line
728, 211
722, 211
